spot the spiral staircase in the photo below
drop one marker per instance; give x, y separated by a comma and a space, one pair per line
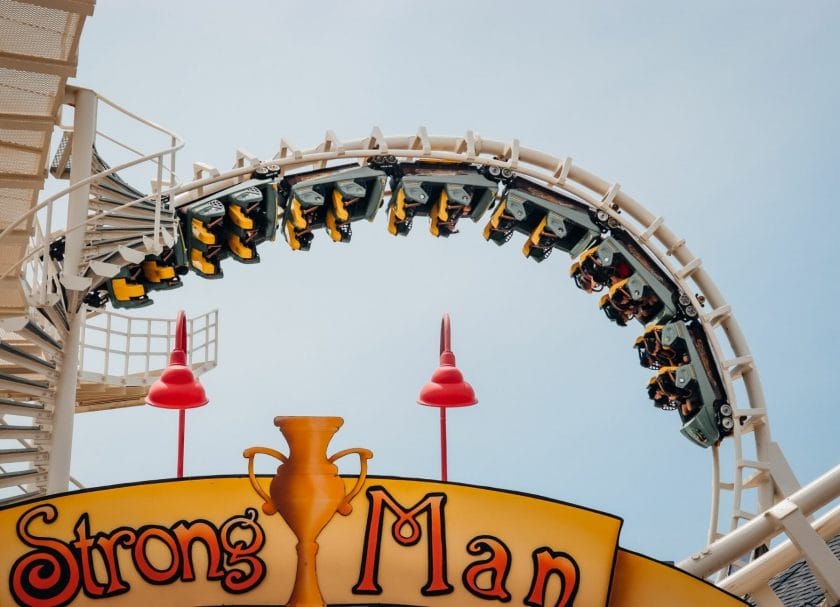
48, 262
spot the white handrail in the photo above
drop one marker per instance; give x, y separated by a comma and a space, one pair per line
108, 340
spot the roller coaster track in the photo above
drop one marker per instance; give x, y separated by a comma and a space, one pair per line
765, 474
758, 466
757, 474
50, 270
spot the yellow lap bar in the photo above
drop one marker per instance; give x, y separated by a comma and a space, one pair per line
239, 249
537, 232
298, 220
332, 226
526, 248
202, 233
239, 217
126, 292
440, 208
392, 221
292, 237
434, 228
155, 273
338, 204
494, 220
399, 207
200, 263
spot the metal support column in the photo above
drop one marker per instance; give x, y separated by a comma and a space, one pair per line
58, 475
84, 131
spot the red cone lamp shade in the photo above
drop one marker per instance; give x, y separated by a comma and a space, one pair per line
447, 387
177, 387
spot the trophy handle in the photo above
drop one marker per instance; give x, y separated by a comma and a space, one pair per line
268, 506
344, 507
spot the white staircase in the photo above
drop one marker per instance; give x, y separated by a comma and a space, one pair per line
29, 361
52, 345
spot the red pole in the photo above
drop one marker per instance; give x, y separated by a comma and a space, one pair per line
445, 341
443, 444
447, 388
182, 415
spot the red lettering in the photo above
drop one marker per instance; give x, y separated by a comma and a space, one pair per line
53, 573
141, 558
84, 544
108, 544
49, 575
199, 531
546, 562
405, 531
236, 580
496, 566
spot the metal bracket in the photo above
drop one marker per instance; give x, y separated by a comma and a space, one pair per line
376, 141
286, 150
561, 173
511, 154
420, 141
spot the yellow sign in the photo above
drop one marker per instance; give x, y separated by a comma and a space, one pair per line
406, 542
219, 541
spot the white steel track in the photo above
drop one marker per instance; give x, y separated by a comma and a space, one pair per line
650, 231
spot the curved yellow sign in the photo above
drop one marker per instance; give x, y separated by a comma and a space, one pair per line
207, 541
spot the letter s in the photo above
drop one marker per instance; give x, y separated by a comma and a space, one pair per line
49, 575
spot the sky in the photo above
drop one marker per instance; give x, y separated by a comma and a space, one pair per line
719, 116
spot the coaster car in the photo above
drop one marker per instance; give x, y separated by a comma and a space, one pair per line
127, 288
638, 288
663, 391
231, 222
204, 235
692, 388
548, 219
130, 287
242, 223
445, 192
654, 354
331, 198
250, 216
592, 276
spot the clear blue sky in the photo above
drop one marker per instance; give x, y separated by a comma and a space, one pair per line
720, 116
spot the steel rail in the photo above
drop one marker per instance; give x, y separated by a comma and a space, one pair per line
563, 176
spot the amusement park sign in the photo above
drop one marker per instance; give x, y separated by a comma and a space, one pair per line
395, 541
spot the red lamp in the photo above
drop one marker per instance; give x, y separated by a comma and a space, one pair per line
447, 388
177, 387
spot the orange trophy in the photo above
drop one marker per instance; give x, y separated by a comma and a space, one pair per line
307, 492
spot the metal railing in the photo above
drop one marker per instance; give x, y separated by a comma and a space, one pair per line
122, 350
37, 268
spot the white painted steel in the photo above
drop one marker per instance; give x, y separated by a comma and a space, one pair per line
752, 576
763, 527
61, 444
84, 135
147, 341
84, 128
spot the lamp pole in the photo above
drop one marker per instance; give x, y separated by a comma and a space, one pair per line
177, 387
447, 388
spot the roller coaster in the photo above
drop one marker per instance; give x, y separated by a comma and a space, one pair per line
119, 245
